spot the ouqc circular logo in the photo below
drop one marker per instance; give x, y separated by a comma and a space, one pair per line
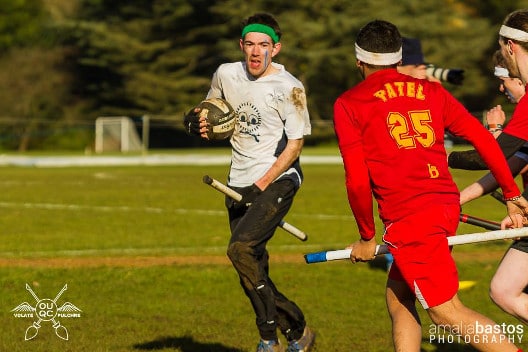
46, 310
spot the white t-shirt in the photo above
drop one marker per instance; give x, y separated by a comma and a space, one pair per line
271, 110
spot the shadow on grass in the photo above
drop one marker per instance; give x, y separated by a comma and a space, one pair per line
378, 263
184, 344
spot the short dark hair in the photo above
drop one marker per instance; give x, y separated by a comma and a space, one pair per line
519, 20
263, 18
379, 36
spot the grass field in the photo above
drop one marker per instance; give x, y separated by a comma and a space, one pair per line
142, 252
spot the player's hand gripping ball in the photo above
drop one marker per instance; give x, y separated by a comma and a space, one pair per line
220, 116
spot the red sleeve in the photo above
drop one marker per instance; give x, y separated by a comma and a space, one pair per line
357, 178
518, 124
489, 150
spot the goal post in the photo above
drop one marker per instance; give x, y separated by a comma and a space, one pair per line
116, 133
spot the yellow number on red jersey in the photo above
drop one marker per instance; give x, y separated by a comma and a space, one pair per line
406, 136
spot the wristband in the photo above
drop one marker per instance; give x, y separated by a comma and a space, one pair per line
495, 126
512, 199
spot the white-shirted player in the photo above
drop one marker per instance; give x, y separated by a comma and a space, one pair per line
268, 138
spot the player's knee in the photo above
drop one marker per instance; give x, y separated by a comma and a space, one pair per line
496, 290
499, 295
233, 251
402, 306
237, 251
445, 313
439, 317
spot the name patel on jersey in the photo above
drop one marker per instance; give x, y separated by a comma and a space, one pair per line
400, 89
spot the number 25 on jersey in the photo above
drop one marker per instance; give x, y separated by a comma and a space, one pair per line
418, 131
407, 131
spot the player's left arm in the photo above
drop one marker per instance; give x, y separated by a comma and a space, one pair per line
296, 121
284, 161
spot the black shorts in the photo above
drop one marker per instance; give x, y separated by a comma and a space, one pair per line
521, 245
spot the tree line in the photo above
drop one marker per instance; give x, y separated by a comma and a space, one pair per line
66, 62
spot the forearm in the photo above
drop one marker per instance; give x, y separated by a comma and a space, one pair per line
359, 193
471, 192
466, 160
500, 169
487, 183
471, 160
361, 204
284, 161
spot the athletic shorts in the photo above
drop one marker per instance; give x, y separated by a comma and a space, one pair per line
521, 245
422, 257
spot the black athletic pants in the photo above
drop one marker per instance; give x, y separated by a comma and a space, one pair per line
251, 229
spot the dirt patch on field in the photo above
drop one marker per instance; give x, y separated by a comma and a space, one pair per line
147, 261
143, 261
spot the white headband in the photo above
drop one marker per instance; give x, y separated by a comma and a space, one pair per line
513, 33
501, 72
381, 59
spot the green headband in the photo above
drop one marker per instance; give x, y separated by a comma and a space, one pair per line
261, 28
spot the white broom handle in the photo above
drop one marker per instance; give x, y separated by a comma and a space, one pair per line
325, 256
238, 197
488, 236
231, 193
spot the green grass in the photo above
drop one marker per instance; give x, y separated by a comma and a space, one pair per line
142, 250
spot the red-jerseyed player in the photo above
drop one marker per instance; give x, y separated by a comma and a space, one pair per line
390, 129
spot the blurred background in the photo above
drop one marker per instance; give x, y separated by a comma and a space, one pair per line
67, 62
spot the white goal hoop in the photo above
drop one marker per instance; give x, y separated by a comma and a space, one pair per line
116, 134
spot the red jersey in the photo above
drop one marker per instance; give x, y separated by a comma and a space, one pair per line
518, 124
390, 129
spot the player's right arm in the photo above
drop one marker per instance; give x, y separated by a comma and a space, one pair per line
462, 124
357, 181
195, 124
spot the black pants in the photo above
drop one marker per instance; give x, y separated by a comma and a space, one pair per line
251, 229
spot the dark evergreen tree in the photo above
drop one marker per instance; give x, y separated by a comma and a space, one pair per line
156, 57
